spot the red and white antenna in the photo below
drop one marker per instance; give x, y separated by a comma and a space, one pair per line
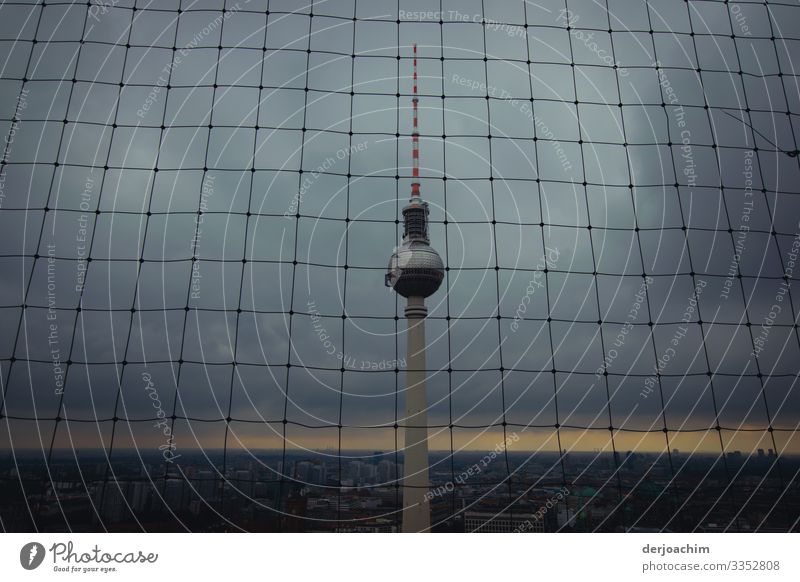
415, 136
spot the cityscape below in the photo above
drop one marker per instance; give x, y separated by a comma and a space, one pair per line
273, 491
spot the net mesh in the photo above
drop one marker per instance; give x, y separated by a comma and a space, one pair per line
199, 200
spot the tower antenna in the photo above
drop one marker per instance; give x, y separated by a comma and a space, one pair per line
415, 134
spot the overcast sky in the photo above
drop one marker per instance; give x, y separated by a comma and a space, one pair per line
115, 142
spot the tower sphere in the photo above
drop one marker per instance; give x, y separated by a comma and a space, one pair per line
415, 269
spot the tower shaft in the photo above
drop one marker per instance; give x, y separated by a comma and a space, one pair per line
416, 507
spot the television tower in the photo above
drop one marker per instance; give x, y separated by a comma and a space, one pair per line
415, 272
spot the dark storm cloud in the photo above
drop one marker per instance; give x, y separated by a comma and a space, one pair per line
320, 292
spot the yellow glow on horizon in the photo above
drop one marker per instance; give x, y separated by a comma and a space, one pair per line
251, 437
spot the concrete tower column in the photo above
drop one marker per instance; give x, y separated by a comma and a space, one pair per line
416, 508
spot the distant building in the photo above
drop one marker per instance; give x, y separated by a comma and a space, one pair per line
301, 470
244, 482
380, 525
113, 502
316, 474
488, 522
140, 496
205, 484
387, 471
369, 473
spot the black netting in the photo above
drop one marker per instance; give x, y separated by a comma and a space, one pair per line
199, 199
